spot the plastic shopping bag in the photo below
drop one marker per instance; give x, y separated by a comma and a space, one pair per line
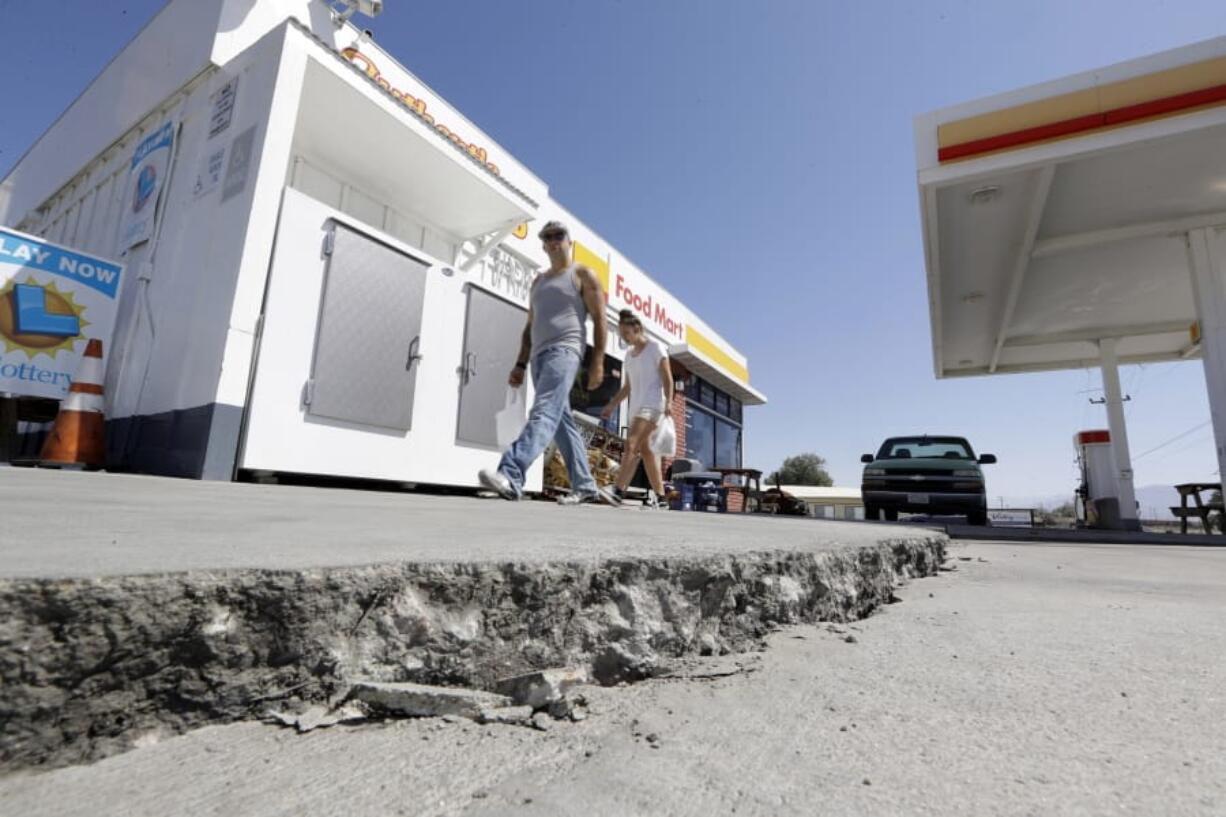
510, 421
663, 440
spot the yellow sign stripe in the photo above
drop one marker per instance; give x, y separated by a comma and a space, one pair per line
702, 343
1032, 114
593, 262
1063, 107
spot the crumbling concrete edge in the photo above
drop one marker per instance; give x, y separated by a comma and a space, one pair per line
91, 667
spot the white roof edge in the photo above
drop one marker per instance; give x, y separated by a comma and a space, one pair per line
97, 78
820, 491
1126, 69
744, 392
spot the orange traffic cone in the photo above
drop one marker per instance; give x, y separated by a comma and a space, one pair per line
79, 434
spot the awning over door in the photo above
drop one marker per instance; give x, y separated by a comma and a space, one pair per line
359, 132
701, 364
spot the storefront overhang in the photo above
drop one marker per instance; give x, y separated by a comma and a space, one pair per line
703, 366
359, 129
1057, 216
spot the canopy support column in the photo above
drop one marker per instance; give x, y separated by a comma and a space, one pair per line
1119, 433
1209, 291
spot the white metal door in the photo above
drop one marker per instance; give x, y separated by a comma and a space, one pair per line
369, 342
327, 428
492, 329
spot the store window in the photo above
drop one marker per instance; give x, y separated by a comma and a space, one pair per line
711, 440
727, 445
699, 436
712, 426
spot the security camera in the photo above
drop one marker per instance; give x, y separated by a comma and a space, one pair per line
342, 10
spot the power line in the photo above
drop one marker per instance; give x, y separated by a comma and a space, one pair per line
1178, 436
1194, 442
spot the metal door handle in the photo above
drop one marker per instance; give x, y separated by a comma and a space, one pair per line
413, 355
469, 369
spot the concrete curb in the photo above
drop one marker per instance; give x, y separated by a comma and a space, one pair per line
91, 667
1083, 537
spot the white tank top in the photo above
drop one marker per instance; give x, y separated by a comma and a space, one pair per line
643, 371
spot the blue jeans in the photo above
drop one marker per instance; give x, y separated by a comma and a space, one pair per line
553, 374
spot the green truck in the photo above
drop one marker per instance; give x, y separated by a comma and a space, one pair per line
925, 474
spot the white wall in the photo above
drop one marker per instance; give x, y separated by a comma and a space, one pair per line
170, 338
169, 51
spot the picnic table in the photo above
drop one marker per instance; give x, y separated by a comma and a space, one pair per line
1201, 507
750, 488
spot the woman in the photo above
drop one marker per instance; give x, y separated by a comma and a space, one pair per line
649, 385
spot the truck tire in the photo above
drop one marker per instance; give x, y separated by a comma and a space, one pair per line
891, 515
977, 518
871, 513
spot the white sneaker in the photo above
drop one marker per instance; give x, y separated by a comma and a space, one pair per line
652, 502
498, 483
609, 496
600, 495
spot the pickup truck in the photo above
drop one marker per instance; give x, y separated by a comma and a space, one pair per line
925, 474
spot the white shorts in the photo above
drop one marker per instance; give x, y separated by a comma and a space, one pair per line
651, 415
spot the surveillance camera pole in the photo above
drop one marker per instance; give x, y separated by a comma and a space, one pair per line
341, 16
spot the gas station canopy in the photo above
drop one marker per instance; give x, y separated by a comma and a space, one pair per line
1081, 223
1056, 216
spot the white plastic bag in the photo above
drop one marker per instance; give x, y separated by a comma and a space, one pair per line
510, 421
663, 440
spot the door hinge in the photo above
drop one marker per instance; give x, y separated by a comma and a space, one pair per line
308, 392
329, 241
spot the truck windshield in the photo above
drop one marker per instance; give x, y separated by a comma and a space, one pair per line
953, 448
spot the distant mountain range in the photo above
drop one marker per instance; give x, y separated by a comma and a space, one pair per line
1154, 501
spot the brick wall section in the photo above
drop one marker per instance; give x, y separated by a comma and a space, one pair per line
677, 409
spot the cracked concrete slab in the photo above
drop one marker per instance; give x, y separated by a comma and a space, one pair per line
132, 608
1029, 718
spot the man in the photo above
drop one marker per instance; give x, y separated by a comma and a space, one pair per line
559, 304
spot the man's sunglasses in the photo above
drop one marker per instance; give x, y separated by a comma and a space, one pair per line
553, 236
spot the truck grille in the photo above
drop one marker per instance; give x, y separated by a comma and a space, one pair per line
915, 481
920, 472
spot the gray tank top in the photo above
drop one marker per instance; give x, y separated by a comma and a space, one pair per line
558, 312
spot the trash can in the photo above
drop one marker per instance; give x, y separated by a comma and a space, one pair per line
698, 491
1104, 513
683, 499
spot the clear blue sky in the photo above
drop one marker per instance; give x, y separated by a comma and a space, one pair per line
757, 159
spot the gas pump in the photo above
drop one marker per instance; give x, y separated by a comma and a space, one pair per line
1098, 495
